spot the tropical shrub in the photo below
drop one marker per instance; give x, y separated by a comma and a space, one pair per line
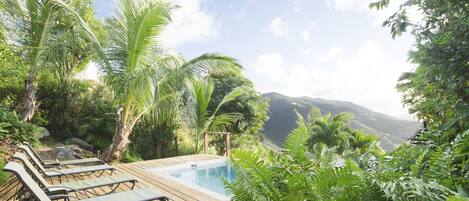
12, 128
13, 73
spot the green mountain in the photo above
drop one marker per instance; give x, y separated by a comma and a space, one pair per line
391, 131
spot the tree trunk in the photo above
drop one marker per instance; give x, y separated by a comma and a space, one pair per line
177, 145
119, 141
157, 141
29, 99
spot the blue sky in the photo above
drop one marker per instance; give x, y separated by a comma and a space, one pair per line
332, 49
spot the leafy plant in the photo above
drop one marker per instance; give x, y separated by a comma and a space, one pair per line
12, 128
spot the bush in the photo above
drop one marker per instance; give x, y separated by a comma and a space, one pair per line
12, 128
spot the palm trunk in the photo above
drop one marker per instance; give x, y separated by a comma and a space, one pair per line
119, 141
29, 99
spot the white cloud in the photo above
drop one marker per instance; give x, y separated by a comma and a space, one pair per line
357, 5
297, 5
307, 32
240, 14
189, 24
379, 16
278, 27
271, 73
332, 53
365, 77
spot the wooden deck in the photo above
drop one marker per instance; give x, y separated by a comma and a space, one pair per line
173, 189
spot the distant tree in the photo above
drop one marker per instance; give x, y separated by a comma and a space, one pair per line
329, 130
251, 105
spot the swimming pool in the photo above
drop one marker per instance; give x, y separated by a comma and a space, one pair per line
203, 175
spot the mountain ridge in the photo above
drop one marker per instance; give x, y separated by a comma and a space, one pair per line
392, 131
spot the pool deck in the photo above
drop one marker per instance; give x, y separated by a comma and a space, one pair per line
173, 189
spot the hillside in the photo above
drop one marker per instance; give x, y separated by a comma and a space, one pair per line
391, 130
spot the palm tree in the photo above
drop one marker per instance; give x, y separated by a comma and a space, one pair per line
329, 130
136, 66
29, 24
201, 120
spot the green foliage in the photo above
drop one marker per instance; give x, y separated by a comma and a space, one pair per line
153, 140
3, 175
36, 28
12, 128
200, 119
250, 104
130, 156
96, 122
437, 90
13, 73
335, 131
297, 174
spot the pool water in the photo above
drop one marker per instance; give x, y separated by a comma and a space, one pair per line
207, 176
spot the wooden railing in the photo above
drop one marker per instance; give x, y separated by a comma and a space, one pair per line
227, 142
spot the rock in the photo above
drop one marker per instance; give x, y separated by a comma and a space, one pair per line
83, 144
45, 132
67, 152
58, 153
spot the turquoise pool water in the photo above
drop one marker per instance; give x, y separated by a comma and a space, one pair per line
207, 176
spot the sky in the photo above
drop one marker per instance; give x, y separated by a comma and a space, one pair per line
330, 49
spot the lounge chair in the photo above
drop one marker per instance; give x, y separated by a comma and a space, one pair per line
82, 186
83, 161
64, 172
142, 194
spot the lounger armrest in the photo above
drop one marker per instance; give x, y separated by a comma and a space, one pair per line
62, 197
77, 155
51, 164
56, 171
65, 187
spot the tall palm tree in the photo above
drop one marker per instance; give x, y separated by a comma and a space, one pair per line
135, 64
29, 24
201, 120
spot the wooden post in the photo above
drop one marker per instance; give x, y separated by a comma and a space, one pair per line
205, 143
228, 144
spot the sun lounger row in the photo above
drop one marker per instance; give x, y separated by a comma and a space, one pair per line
32, 171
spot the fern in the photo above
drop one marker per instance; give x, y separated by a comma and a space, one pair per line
295, 143
439, 168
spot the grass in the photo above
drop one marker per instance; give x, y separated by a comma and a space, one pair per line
3, 175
